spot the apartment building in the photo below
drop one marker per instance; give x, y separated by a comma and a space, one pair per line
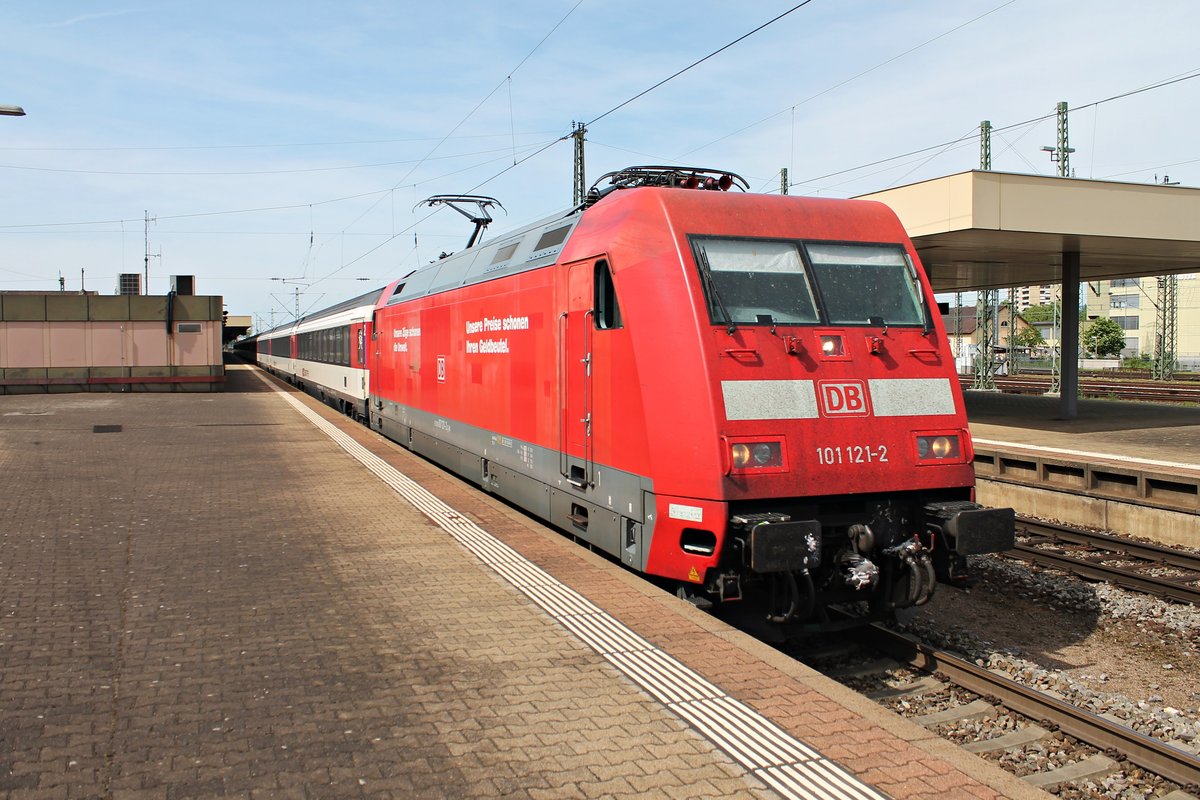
1133, 304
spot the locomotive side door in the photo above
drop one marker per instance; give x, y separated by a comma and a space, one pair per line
575, 377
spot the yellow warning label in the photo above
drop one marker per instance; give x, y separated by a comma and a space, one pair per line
694, 576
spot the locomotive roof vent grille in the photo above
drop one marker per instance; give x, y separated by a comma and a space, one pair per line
672, 177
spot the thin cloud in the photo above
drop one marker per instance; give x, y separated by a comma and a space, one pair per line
85, 17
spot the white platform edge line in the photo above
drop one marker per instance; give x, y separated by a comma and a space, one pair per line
630, 641
697, 685
801, 784
695, 713
813, 780
762, 729
639, 672
775, 748
551, 598
583, 626
1085, 454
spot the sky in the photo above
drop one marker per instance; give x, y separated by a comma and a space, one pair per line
282, 150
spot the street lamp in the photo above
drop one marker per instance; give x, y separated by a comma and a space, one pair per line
11, 111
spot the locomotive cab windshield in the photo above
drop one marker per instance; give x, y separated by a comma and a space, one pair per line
765, 281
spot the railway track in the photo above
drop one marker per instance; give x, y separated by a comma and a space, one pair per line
1137, 566
1106, 742
1042, 709
1006, 719
1175, 392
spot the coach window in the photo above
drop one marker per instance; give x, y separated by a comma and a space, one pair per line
606, 311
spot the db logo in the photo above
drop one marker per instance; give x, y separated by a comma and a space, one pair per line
843, 398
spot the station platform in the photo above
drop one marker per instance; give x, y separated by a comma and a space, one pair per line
1155, 433
245, 594
1128, 467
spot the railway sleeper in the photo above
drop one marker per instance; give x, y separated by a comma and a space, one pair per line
922, 685
1010, 741
1091, 767
976, 709
873, 667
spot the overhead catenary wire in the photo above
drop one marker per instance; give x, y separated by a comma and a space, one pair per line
550, 144
697, 63
261, 146
840, 84
564, 137
459, 124
252, 210
1188, 75
293, 171
1195, 73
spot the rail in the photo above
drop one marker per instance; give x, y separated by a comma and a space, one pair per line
1102, 547
1174, 392
1146, 752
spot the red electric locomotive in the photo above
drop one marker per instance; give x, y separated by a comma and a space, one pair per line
749, 396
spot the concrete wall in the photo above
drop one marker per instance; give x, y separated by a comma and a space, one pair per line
1165, 526
75, 342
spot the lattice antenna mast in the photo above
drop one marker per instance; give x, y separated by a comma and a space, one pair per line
146, 273
578, 132
1061, 153
985, 145
1064, 152
1013, 366
986, 311
481, 218
1056, 335
1166, 318
957, 317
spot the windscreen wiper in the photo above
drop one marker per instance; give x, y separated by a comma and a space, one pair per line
926, 311
710, 286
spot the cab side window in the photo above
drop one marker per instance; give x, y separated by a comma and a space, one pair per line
606, 312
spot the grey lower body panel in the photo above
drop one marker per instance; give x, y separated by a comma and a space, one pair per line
610, 515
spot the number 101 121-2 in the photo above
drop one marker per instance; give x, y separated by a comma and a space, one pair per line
852, 454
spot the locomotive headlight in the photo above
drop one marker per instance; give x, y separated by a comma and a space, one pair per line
832, 346
741, 455
756, 455
937, 447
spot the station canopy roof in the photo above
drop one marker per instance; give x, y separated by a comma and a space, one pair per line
985, 230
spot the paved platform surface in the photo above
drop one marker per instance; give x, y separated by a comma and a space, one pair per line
1114, 428
204, 595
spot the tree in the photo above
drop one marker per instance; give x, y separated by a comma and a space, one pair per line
1103, 337
1028, 339
1039, 313
1044, 312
